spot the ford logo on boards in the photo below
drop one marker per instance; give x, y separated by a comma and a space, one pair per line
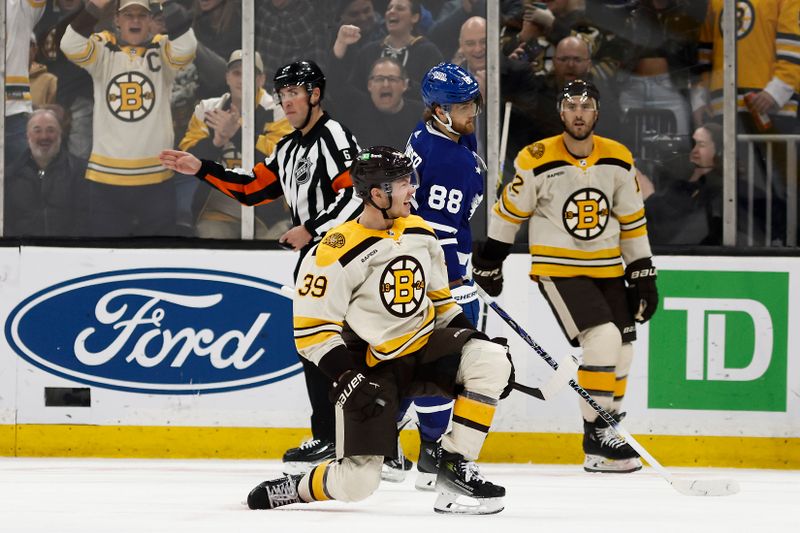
160, 331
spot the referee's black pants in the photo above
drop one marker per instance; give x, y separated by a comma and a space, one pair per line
318, 385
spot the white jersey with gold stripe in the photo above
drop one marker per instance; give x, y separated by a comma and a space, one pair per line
21, 17
132, 120
389, 286
586, 215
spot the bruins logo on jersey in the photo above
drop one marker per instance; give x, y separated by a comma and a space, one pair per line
586, 214
334, 240
130, 96
745, 18
536, 150
403, 286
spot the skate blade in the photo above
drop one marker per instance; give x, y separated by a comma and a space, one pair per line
425, 482
392, 475
447, 503
297, 467
598, 464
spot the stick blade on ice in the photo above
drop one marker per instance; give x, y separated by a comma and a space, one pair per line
706, 487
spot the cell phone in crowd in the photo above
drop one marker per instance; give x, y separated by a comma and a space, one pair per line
529, 52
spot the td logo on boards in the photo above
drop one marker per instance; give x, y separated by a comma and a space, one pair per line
718, 341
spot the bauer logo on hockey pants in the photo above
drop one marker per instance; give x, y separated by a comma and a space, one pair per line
159, 331
719, 341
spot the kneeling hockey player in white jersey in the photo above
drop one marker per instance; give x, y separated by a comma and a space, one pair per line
373, 310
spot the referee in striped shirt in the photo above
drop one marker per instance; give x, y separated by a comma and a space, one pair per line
310, 168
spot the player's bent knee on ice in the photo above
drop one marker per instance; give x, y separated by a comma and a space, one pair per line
484, 368
601, 344
355, 478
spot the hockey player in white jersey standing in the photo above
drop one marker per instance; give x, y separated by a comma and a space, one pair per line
443, 150
130, 191
384, 276
591, 257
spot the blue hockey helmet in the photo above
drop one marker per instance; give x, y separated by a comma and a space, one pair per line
447, 84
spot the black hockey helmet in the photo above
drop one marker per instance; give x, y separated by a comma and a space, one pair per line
580, 90
305, 72
379, 166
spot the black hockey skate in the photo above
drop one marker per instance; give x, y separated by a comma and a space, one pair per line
306, 456
275, 493
394, 469
605, 450
458, 477
428, 465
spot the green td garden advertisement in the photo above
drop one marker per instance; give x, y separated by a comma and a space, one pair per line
719, 341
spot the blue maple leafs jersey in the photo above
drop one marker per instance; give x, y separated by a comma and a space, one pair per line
450, 189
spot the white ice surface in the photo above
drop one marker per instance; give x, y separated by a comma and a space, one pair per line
198, 496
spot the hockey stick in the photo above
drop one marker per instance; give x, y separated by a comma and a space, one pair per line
565, 374
696, 487
503, 148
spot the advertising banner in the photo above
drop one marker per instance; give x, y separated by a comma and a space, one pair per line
203, 338
163, 337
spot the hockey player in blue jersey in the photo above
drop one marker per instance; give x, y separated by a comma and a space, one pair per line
443, 151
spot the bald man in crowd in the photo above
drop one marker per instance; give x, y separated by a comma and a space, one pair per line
472, 48
534, 113
45, 193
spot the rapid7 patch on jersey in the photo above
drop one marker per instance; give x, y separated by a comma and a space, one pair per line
402, 287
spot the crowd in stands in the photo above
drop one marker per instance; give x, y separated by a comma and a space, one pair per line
657, 64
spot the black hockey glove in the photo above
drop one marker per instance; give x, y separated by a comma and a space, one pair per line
177, 20
354, 392
502, 341
488, 273
642, 291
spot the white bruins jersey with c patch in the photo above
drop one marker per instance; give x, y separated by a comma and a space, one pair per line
586, 215
132, 120
390, 286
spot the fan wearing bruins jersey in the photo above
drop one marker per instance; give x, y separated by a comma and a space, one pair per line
214, 133
373, 310
22, 16
768, 51
130, 191
588, 239
767, 84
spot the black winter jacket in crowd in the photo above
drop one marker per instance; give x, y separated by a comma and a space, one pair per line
45, 203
